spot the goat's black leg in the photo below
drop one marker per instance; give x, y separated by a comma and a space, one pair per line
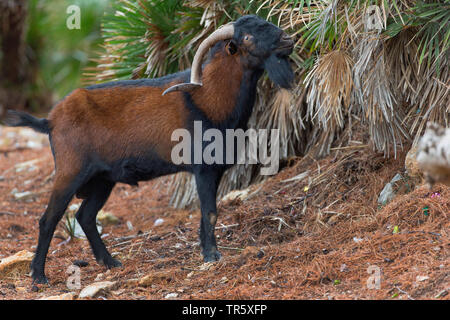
58, 203
207, 183
86, 216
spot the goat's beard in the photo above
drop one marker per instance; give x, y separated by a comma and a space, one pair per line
279, 70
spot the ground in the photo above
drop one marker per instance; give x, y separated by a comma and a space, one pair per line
319, 236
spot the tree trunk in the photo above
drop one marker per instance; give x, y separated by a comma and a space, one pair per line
13, 64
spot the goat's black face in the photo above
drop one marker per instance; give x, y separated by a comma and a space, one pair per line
262, 45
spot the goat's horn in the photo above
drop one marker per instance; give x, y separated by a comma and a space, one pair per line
224, 32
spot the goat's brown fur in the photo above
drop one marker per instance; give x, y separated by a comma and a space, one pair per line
221, 82
115, 123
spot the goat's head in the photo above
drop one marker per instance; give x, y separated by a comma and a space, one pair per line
260, 45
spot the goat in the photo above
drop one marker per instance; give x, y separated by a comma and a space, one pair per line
120, 131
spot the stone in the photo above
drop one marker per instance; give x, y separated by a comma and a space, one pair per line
76, 230
171, 296
433, 156
99, 277
18, 264
412, 166
236, 195
422, 278
97, 288
155, 278
107, 218
23, 196
64, 296
391, 189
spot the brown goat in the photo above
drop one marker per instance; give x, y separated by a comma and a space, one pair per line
121, 131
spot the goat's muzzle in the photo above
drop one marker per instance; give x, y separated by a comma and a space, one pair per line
286, 44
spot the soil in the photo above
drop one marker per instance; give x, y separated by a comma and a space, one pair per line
320, 237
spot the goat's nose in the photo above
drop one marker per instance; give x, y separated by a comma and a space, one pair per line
286, 41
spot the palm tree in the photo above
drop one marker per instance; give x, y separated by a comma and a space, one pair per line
372, 66
13, 70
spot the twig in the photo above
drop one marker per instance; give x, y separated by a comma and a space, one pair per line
281, 221
6, 213
228, 226
287, 186
300, 199
349, 147
230, 248
132, 237
189, 269
8, 150
404, 292
424, 232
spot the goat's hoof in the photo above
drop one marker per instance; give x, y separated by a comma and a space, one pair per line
39, 279
110, 262
212, 256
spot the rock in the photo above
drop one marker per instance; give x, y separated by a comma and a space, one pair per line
16, 264
64, 296
422, 278
357, 240
171, 296
343, 268
74, 207
99, 277
434, 154
130, 226
118, 292
206, 266
441, 294
97, 288
236, 195
23, 196
390, 190
75, 229
107, 218
155, 278
412, 166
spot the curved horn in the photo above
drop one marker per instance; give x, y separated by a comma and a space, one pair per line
224, 32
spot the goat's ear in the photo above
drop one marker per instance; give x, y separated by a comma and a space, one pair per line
231, 47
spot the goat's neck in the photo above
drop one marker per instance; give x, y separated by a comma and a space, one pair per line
227, 95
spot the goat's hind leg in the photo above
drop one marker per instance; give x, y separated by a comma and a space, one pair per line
98, 193
63, 191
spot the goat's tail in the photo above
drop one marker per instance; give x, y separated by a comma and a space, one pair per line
22, 119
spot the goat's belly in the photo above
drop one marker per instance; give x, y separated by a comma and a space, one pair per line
133, 170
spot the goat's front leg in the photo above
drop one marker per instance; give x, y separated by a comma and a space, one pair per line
207, 183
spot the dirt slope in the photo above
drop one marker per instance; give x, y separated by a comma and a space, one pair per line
320, 237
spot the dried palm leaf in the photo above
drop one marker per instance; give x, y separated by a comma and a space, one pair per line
330, 85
